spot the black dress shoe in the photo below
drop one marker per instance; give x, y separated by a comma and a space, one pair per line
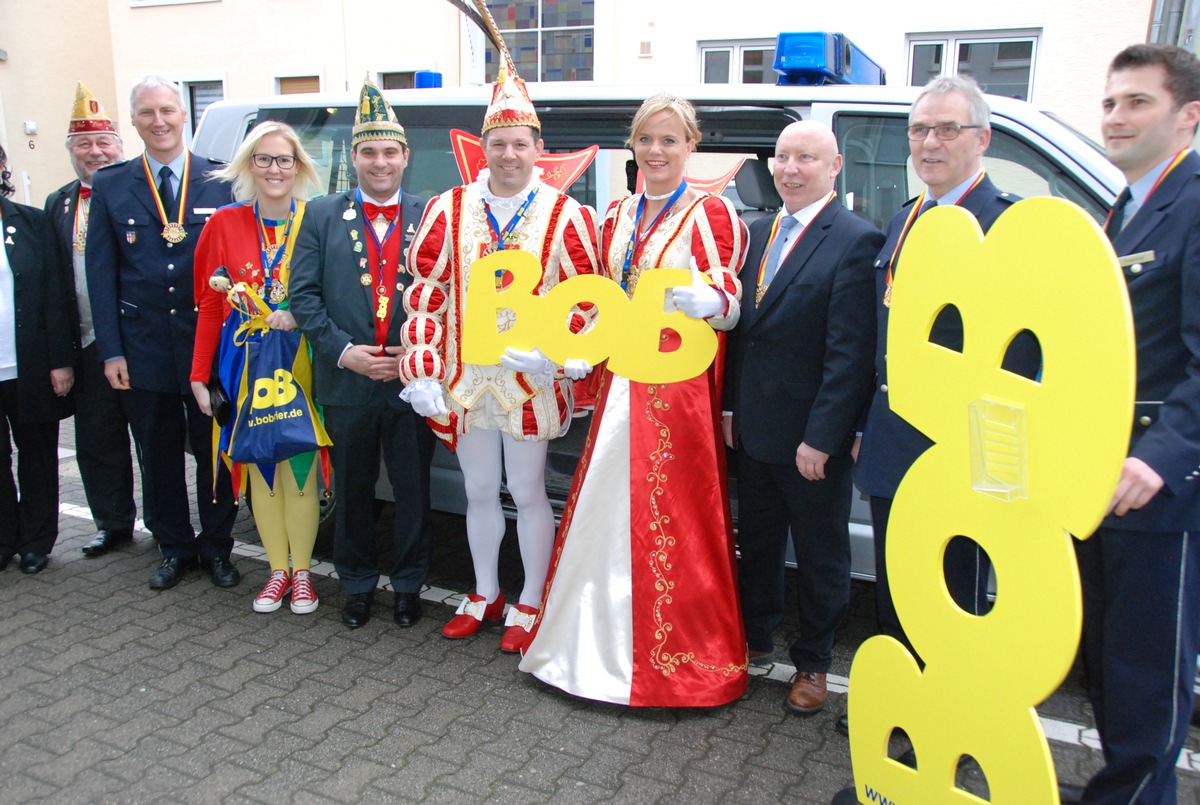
33, 563
170, 572
5, 558
842, 725
223, 573
357, 610
407, 609
105, 541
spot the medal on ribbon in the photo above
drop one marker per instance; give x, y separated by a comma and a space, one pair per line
173, 231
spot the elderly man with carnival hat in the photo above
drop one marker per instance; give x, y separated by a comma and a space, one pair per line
101, 427
145, 218
347, 278
499, 418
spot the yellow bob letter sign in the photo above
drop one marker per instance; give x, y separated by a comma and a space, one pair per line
625, 331
1018, 465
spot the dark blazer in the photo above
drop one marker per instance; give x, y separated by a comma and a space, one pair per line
1164, 293
140, 285
60, 207
45, 339
891, 445
799, 365
332, 307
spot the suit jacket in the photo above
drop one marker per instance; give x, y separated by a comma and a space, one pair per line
45, 340
891, 445
140, 285
799, 364
1164, 293
60, 207
333, 308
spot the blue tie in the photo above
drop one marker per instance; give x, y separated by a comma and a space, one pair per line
1116, 221
785, 223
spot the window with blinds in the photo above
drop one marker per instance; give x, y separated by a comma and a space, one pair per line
293, 85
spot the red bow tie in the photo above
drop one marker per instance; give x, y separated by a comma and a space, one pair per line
373, 211
84, 192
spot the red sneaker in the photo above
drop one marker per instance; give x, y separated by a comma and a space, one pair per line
272, 594
304, 597
473, 611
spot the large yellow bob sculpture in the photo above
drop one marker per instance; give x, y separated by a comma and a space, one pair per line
1018, 465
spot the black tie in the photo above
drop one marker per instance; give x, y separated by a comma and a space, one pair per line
1116, 218
165, 193
929, 204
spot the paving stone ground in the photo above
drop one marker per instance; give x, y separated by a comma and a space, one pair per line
113, 693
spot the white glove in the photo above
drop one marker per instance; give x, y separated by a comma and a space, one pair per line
577, 369
531, 363
700, 300
425, 396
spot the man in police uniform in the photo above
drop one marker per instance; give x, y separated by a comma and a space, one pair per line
948, 133
347, 281
101, 428
146, 216
1141, 569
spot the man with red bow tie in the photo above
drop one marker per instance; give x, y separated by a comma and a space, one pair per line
101, 427
348, 277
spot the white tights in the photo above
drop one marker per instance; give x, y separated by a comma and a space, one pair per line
524, 464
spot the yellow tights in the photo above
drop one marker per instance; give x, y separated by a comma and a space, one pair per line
287, 518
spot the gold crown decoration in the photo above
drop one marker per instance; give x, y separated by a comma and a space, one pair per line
374, 118
88, 116
510, 104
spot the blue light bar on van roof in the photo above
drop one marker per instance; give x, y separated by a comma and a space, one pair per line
817, 57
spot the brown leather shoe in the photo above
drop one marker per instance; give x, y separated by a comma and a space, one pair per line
808, 693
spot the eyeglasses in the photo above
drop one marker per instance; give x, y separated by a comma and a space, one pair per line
284, 161
946, 131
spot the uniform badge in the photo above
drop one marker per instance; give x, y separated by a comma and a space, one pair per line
365, 279
358, 247
12, 230
8, 241
131, 237
362, 263
353, 234
349, 215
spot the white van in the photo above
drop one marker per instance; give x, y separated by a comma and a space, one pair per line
1032, 154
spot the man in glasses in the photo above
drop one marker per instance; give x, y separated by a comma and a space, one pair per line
101, 428
948, 133
146, 216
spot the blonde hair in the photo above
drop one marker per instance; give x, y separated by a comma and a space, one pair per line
240, 170
663, 102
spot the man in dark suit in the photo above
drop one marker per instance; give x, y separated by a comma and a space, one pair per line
948, 133
37, 351
346, 287
101, 428
799, 372
1140, 571
146, 217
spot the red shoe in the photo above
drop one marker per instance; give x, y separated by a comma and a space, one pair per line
272, 594
520, 623
473, 611
304, 597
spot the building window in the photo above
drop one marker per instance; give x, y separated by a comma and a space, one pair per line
295, 84
200, 95
738, 62
549, 40
1001, 61
402, 80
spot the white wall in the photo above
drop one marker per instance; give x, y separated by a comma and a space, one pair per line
1077, 41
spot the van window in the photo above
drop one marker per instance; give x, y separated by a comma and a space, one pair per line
326, 134
877, 177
